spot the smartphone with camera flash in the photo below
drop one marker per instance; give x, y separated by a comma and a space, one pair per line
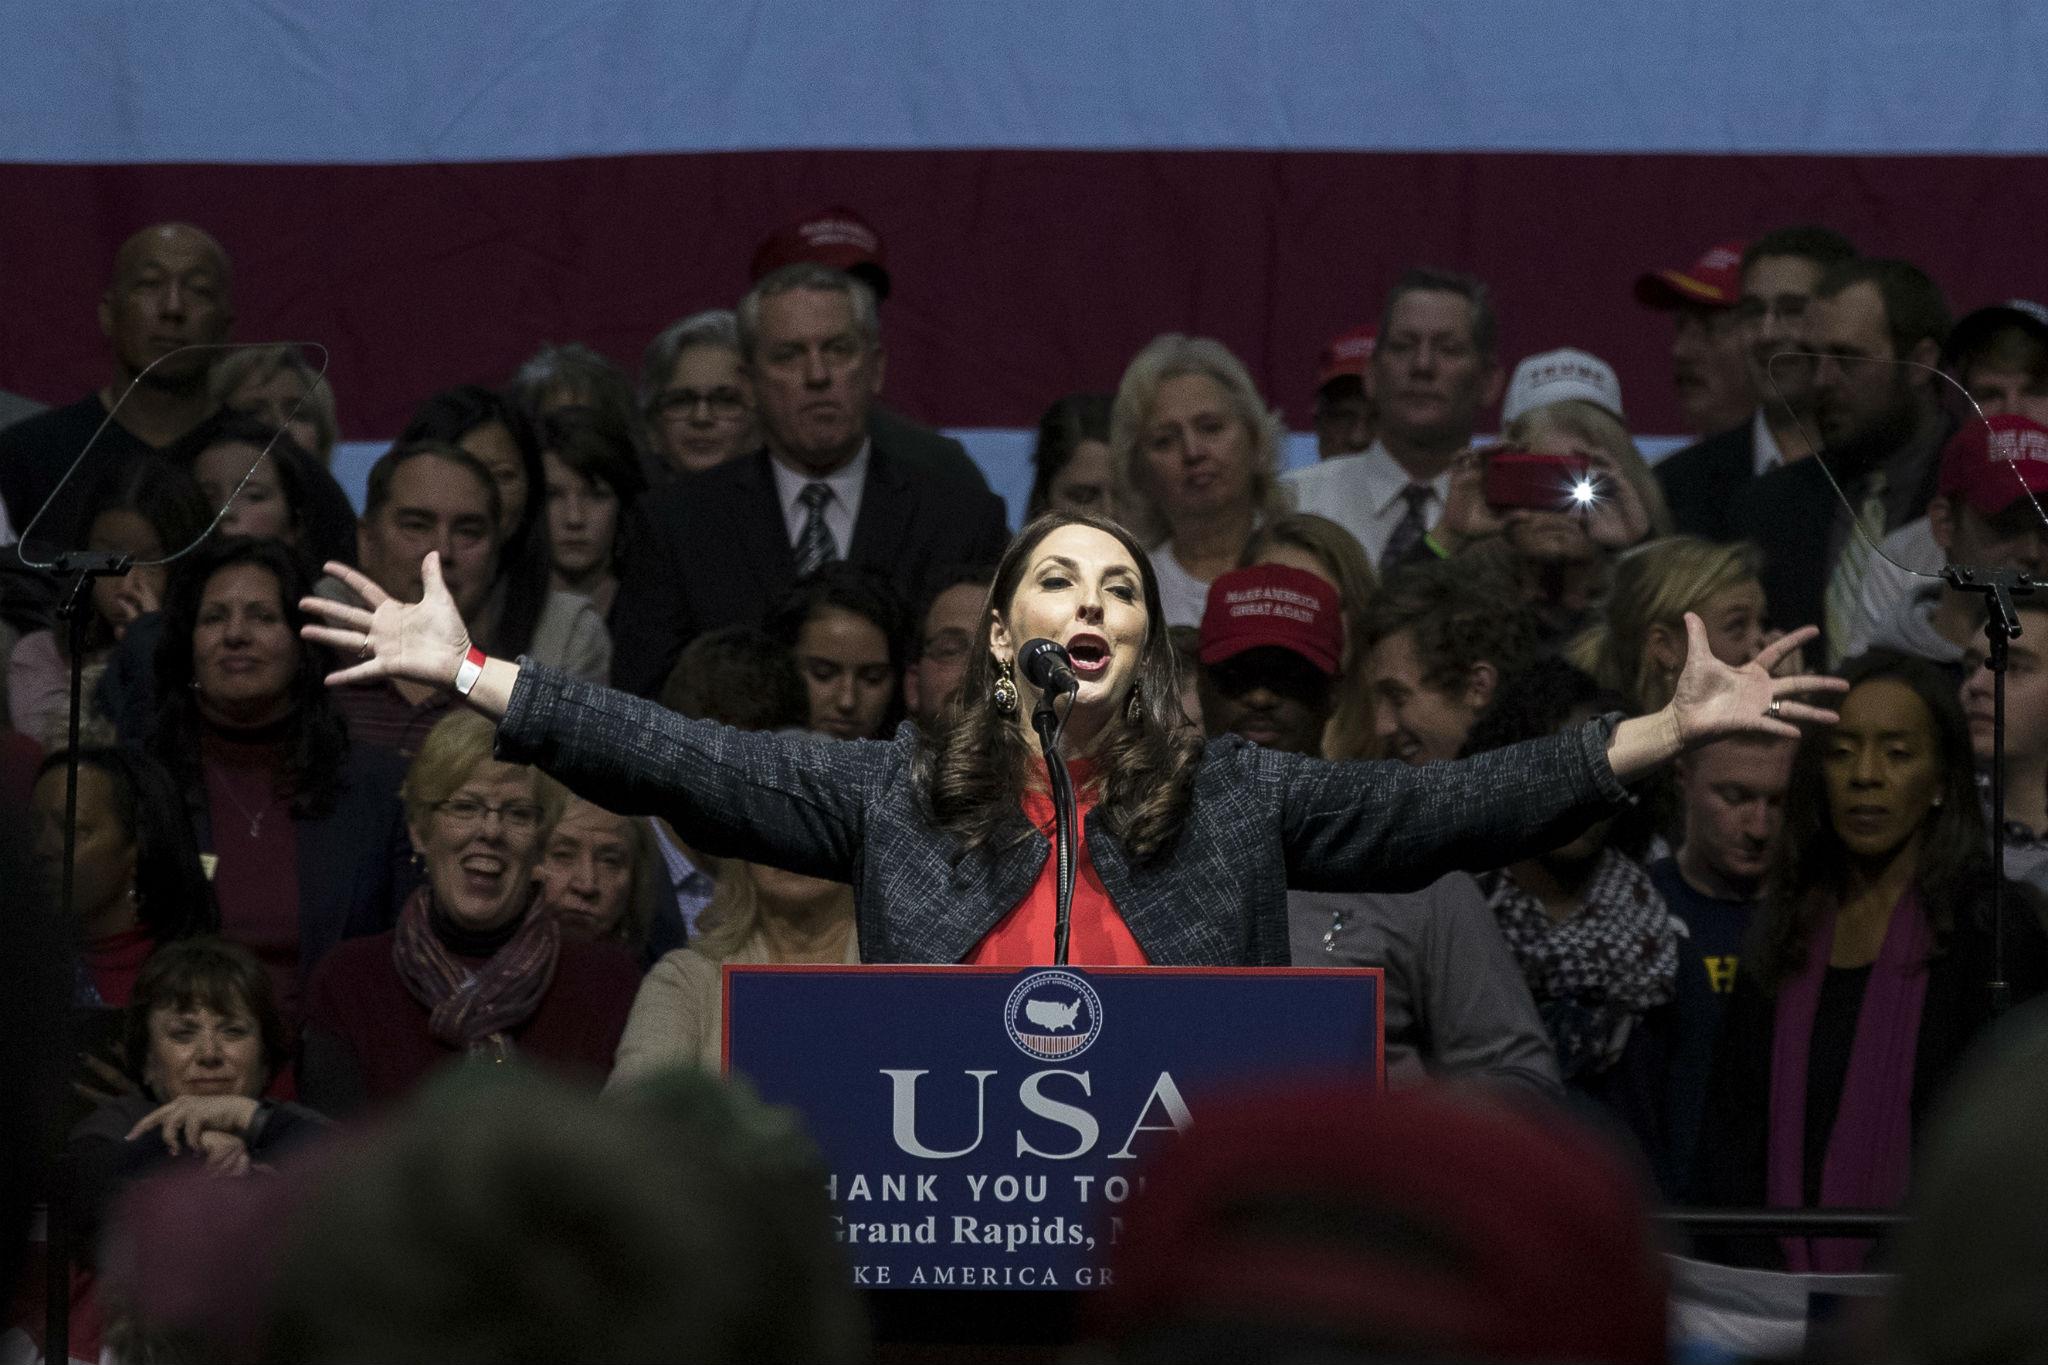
1524, 478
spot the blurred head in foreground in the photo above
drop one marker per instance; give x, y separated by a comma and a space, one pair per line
509, 1218
1972, 1260
1320, 1222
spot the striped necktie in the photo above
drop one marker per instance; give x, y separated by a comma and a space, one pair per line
1409, 530
814, 544
1843, 603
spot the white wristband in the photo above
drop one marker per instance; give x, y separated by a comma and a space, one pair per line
469, 670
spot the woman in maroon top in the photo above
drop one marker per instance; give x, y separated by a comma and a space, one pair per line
137, 883
473, 969
305, 830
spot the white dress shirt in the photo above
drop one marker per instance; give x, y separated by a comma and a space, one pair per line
841, 509
1362, 494
1765, 453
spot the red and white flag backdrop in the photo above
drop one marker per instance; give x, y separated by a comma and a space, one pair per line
434, 190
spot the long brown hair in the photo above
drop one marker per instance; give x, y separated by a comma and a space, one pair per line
972, 766
1954, 871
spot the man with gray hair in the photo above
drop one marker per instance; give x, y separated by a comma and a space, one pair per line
719, 547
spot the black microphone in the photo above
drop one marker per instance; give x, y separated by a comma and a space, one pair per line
1047, 667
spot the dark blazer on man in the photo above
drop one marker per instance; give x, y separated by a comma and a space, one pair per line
1259, 821
713, 550
1795, 515
923, 449
1701, 482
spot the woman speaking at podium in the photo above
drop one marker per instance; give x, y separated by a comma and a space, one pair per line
1185, 851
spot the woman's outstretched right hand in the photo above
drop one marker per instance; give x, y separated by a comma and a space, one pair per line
421, 642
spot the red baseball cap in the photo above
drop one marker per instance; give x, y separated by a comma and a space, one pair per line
1712, 281
1991, 463
1272, 604
835, 236
1432, 1223
1347, 354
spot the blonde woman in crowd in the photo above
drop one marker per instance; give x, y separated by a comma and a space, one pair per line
1636, 645
1563, 557
758, 914
279, 387
1317, 545
1198, 451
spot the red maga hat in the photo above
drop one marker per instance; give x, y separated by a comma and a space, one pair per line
1347, 354
1712, 281
1993, 463
835, 236
1273, 605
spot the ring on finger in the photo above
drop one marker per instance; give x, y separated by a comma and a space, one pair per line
1776, 710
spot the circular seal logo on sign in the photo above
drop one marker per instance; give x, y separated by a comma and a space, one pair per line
1053, 1016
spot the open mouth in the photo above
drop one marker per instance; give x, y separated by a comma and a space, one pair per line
483, 874
1089, 654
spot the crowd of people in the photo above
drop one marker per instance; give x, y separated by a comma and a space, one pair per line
299, 896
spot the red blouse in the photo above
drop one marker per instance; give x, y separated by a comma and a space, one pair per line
1097, 935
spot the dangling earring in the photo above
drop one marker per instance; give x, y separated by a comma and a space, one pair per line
1937, 803
1134, 709
1004, 693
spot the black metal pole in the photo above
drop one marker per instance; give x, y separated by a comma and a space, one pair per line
1048, 722
1998, 588
74, 610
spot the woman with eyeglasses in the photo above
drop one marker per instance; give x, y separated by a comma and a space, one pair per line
699, 412
471, 971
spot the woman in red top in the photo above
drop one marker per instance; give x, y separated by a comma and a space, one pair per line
1193, 846
137, 883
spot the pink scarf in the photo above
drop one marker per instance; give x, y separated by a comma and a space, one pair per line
1870, 1147
473, 1010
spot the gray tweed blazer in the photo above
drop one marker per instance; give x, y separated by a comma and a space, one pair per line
1259, 823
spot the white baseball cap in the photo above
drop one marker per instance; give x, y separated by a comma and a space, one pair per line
1553, 376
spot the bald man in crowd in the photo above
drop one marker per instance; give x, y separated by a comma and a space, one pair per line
171, 289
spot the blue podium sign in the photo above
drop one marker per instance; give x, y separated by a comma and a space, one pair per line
983, 1125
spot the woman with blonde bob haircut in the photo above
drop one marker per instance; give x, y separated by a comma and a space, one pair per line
758, 914
1198, 453
1636, 645
1317, 545
474, 968
1562, 556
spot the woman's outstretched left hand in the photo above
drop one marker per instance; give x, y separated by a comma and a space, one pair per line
1714, 700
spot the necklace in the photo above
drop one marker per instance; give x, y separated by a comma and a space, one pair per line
255, 817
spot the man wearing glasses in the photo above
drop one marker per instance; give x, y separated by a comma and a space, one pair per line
1779, 272
945, 637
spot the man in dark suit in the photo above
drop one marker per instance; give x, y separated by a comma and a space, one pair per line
719, 548
1779, 271
1879, 327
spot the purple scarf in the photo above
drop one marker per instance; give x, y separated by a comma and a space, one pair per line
1870, 1149
473, 1011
